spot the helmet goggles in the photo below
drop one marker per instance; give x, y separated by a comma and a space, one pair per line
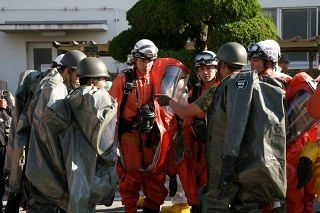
145, 52
269, 50
205, 58
255, 51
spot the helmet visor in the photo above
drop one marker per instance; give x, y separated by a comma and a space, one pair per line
299, 119
174, 82
203, 59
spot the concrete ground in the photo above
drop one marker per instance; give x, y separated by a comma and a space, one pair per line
117, 206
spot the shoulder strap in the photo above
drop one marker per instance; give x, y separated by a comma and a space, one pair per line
127, 88
196, 92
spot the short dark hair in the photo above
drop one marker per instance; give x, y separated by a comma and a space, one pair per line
84, 80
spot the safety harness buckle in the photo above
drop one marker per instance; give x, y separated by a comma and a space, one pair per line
135, 128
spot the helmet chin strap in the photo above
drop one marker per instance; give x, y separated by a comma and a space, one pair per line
265, 67
272, 67
260, 73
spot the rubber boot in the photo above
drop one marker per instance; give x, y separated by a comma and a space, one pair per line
176, 208
140, 202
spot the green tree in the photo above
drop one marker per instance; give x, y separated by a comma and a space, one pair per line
208, 23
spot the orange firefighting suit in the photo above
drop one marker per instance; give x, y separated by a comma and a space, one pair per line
313, 104
298, 200
142, 162
135, 161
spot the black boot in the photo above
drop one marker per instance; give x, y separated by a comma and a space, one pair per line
146, 210
13, 203
194, 209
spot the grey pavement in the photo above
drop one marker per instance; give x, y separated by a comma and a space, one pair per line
118, 207
115, 207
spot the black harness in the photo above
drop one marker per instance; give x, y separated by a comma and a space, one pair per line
144, 120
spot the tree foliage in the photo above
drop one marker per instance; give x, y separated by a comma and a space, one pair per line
208, 23
243, 32
153, 17
122, 44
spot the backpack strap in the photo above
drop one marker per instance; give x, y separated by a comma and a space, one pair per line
128, 86
196, 92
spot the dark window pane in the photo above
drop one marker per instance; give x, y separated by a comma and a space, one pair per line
41, 56
294, 23
313, 22
318, 21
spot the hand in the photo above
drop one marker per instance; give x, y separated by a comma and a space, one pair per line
304, 171
173, 185
3, 104
163, 99
227, 175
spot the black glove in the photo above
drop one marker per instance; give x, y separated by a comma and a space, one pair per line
173, 185
304, 171
163, 99
227, 175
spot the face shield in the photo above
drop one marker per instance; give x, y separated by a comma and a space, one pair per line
174, 82
299, 120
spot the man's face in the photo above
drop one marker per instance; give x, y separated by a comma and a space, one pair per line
257, 64
207, 73
144, 65
101, 83
284, 65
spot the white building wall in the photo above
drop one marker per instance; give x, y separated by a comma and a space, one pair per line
13, 45
288, 3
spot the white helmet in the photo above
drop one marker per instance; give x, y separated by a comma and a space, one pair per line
268, 49
205, 58
145, 49
57, 61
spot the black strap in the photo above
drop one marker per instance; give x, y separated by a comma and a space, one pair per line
126, 92
196, 92
127, 89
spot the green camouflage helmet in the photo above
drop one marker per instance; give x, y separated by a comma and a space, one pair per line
92, 67
72, 58
233, 54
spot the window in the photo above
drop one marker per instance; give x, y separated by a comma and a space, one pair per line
294, 23
41, 56
299, 22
